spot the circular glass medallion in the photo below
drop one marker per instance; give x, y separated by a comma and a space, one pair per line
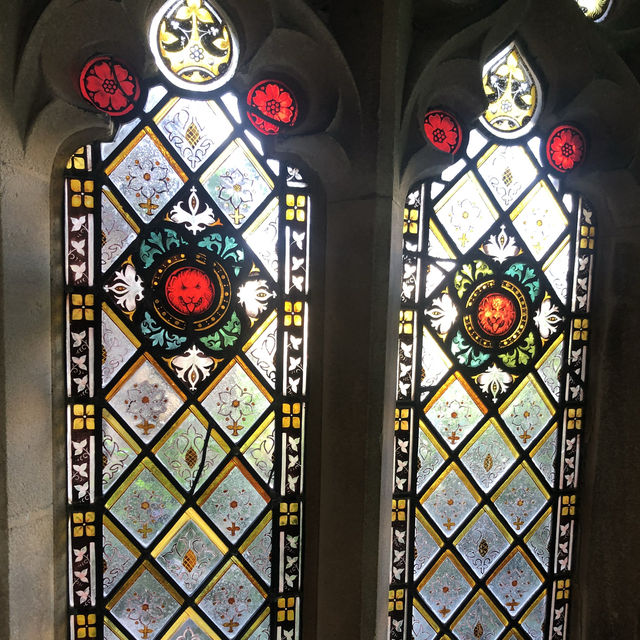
496, 314
193, 44
109, 85
442, 131
566, 148
272, 104
189, 291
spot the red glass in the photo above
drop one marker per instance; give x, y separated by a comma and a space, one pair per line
442, 131
566, 148
109, 85
496, 314
189, 291
271, 105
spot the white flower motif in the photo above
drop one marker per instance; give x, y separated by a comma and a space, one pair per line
235, 188
494, 380
127, 288
192, 366
253, 296
191, 219
501, 247
147, 178
234, 404
547, 318
443, 314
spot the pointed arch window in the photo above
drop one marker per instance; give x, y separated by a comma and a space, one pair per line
494, 329
186, 275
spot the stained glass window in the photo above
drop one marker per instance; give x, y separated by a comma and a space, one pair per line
597, 10
493, 339
186, 277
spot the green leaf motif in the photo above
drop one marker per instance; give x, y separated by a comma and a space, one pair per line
225, 337
160, 337
469, 273
155, 245
521, 354
226, 247
527, 276
466, 354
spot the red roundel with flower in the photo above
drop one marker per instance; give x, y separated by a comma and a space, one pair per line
496, 314
271, 105
189, 291
566, 148
442, 131
109, 85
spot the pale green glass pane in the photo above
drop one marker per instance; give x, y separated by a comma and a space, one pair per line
117, 455
421, 629
534, 622
539, 542
454, 414
259, 553
429, 460
507, 172
146, 179
116, 349
236, 403
434, 362
425, 548
545, 458
234, 504
116, 560
482, 545
539, 220
262, 237
145, 608
232, 601
262, 352
445, 590
520, 501
550, 370
146, 401
236, 185
557, 271
109, 635
182, 453
195, 129
433, 278
190, 557
145, 507
488, 458
514, 585
260, 454
189, 630
262, 632
480, 621
527, 414
117, 234
465, 213
450, 503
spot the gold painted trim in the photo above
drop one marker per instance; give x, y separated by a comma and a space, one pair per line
123, 327
433, 228
430, 530
441, 450
452, 468
121, 431
257, 223
470, 178
494, 519
512, 553
483, 429
257, 432
256, 624
534, 604
110, 524
423, 612
191, 615
523, 466
265, 326
551, 432
226, 370
116, 203
222, 571
457, 564
145, 566
189, 514
258, 529
471, 602
529, 378
234, 462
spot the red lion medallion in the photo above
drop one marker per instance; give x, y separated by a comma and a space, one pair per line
189, 291
496, 314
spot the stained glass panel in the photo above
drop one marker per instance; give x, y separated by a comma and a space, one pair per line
493, 332
187, 285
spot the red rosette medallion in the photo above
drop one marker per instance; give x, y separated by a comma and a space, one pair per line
109, 85
566, 148
271, 105
442, 131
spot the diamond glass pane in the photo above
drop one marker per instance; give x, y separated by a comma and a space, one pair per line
445, 587
187, 284
492, 368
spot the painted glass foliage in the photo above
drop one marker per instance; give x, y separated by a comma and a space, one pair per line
186, 311
596, 10
493, 338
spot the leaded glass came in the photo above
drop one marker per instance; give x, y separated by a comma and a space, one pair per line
186, 298
494, 328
